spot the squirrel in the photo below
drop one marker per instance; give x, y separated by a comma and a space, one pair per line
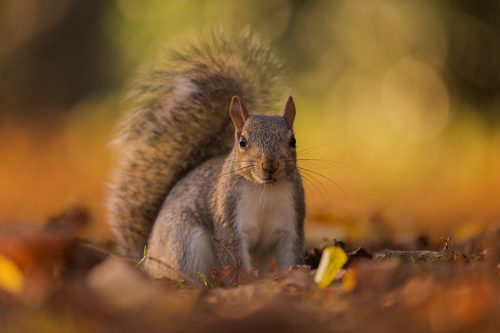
200, 180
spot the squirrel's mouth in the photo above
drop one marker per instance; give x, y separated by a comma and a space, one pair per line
269, 180
266, 179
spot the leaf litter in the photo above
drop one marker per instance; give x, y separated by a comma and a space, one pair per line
51, 279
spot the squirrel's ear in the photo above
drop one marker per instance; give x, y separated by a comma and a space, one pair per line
238, 114
289, 113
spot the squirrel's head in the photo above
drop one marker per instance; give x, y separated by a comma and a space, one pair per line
264, 144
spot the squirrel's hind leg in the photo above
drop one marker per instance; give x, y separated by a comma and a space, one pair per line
182, 250
199, 257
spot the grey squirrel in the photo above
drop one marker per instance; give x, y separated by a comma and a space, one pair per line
199, 180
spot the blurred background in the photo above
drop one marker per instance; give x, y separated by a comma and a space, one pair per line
399, 99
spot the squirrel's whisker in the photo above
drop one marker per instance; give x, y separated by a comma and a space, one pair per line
311, 148
310, 182
316, 181
234, 171
325, 177
311, 177
327, 161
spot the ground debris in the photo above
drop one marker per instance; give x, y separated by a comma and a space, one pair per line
75, 285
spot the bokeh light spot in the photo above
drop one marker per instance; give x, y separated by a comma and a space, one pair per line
415, 100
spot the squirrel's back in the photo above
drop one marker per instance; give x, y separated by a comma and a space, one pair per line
179, 119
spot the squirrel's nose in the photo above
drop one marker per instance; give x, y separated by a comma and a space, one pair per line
269, 166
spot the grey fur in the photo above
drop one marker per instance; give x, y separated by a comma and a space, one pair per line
207, 198
179, 165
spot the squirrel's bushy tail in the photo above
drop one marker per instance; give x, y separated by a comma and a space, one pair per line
179, 119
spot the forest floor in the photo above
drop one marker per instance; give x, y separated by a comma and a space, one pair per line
52, 280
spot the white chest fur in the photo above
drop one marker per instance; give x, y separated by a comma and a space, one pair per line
265, 214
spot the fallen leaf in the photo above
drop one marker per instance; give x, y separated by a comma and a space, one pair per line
349, 281
332, 260
11, 277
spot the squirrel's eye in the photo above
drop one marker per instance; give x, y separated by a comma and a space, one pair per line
243, 142
293, 142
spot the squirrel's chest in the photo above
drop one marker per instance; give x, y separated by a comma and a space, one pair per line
265, 213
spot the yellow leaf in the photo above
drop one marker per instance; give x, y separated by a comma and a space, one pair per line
332, 259
11, 278
348, 281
